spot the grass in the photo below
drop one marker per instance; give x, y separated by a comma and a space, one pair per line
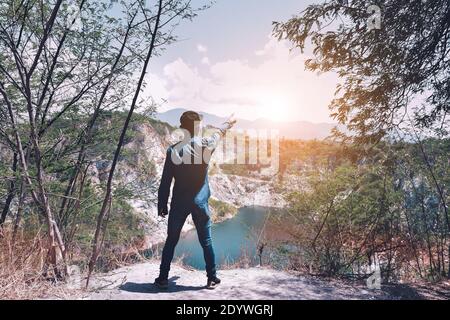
22, 269
24, 274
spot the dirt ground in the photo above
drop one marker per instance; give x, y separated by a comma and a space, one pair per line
136, 282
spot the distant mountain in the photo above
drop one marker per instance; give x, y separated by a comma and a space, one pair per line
293, 130
172, 117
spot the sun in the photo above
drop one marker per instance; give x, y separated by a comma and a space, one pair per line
274, 107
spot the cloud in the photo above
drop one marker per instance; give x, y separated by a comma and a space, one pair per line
201, 48
275, 85
206, 61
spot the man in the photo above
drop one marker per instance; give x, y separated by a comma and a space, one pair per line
187, 162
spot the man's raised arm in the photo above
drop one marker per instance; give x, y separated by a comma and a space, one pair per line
212, 141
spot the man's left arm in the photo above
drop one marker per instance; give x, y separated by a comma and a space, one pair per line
164, 187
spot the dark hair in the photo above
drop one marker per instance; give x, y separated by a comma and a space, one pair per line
188, 119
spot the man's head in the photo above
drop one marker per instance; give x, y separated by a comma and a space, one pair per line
190, 121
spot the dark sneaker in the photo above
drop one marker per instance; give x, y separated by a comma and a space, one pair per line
212, 283
162, 283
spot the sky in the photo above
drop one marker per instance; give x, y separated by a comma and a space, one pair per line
227, 62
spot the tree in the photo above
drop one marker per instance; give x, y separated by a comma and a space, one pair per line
47, 70
56, 81
394, 76
166, 11
387, 73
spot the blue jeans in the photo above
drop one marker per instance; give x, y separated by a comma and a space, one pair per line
202, 222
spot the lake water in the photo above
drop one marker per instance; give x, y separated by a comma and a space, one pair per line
232, 239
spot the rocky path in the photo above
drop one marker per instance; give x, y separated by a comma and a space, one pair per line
135, 282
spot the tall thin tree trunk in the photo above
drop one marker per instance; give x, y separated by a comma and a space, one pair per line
413, 243
19, 212
39, 198
11, 193
39, 195
107, 199
438, 188
87, 135
448, 274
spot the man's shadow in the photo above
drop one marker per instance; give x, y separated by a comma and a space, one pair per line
152, 288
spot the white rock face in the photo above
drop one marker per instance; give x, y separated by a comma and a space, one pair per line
243, 191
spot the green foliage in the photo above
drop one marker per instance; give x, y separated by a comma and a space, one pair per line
298, 155
339, 208
221, 209
124, 222
384, 71
383, 207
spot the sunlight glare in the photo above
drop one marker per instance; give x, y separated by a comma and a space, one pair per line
274, 107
